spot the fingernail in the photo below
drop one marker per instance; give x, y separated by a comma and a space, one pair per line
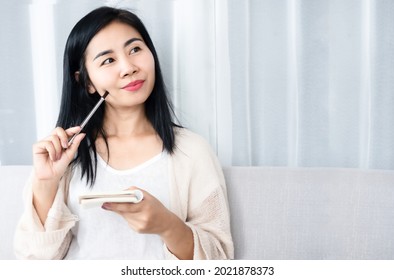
105, 206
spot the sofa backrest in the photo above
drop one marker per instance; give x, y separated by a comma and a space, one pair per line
311, 213
278, 213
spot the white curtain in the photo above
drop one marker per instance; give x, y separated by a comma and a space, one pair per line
312, 83
266, 82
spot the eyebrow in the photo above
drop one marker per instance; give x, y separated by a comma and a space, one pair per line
128, 42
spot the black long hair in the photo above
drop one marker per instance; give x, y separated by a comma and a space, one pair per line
76, 102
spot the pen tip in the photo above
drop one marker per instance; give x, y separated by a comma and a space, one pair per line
105, 94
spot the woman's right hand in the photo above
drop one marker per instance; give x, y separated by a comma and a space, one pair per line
52, 155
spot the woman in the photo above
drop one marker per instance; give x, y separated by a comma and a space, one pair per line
131, 142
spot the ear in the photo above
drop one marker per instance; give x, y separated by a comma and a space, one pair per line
91, 88
76, 76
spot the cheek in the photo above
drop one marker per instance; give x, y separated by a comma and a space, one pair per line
152, 68
152, 77
101, 79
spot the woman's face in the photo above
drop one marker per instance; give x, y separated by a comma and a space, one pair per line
118, 61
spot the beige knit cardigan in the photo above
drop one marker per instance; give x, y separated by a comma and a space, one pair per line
198, 197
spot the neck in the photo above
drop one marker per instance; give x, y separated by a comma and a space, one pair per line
126, 123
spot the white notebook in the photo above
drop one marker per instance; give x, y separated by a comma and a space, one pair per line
96, 199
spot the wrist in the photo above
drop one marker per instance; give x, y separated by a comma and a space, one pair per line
44, 187
171, 226
44, 183
178, 238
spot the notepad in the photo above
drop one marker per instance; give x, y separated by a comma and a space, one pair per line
96, 199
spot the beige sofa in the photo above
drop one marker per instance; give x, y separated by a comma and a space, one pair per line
278, 213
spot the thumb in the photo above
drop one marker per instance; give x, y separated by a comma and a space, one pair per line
72, 149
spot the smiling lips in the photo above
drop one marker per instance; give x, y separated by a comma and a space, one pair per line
134, 86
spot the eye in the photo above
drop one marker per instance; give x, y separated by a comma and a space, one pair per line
108, 61
135, 50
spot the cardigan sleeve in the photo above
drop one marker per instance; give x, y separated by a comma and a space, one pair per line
33, 240
211, 229
200, 187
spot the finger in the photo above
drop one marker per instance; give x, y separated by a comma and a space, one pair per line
72, 149
45, 147
62, 134
121, 207
54, 150
72, 130
125, 207
133, 188
56, 142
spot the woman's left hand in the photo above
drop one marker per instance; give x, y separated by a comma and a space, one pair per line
147, 216
151, 216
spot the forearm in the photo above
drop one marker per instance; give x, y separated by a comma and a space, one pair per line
44, 192
179, 239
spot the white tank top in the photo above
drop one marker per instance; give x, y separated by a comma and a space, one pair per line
102, 234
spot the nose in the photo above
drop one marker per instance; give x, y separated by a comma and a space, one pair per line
127, 67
